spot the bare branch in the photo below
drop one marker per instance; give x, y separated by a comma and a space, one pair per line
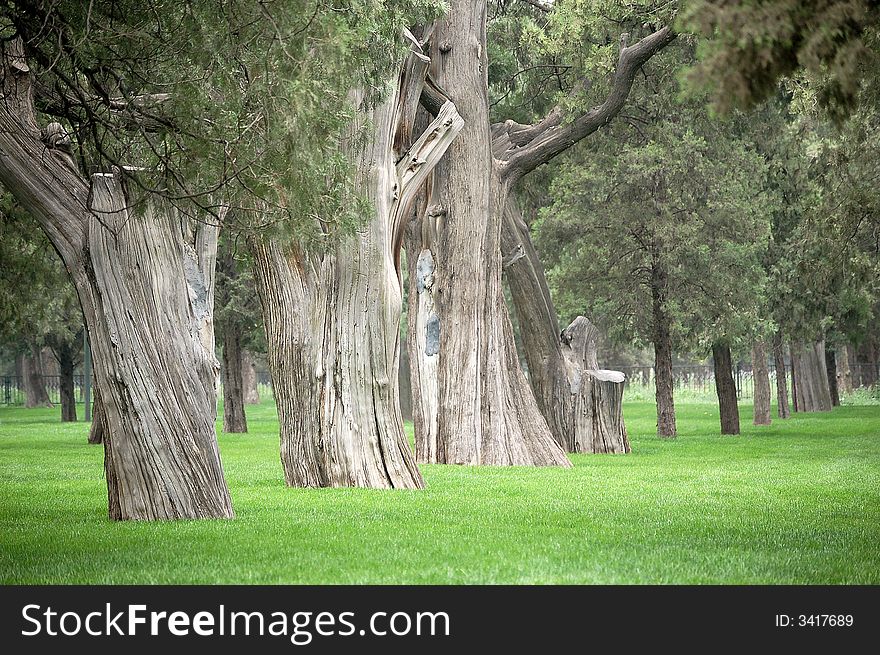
521, 149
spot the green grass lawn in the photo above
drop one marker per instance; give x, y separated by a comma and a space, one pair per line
796, 502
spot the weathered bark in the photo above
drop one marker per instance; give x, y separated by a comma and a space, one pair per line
332, 319
36, 394
249, 378
831, 369
99, 421
562, 385
725, 388
234, 419
476, 404
663, 380
782, 408
844, 372
811, 392
66, 365
145, 283
761, 377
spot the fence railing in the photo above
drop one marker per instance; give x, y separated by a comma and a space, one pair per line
701, 378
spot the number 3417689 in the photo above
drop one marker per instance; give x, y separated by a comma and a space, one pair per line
814, 620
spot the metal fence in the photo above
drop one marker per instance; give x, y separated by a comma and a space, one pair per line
12, 389
701, 378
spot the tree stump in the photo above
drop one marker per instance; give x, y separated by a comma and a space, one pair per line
596, 395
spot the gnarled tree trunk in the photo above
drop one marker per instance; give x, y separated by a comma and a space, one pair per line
725, 388
782, 408
808, 369
761, 377
332, 320
145, 282
582, 405
475, 402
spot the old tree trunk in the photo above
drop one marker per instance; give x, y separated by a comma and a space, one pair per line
761, 376
333, 320
725, 388
782, 407
232, 359
811, 390
145, 284
582, 405
66, 364
472, 403
35, 392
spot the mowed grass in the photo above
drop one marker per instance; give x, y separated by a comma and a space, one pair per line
796, 502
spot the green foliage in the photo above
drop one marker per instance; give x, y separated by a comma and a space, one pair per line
749, 46
38, 304
797, 502
678, 193
258, 95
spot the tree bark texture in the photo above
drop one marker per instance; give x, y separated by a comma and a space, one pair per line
35, 392
725, 388
844, 372
333, 319
231, 368
812, 392
582, 405
761, 377
663, 379
782, 408
249, 378
476, 404
99, 421
66, 365
831, 368
145, 282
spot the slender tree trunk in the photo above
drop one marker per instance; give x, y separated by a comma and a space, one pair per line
844, 373
761, 375
477, 406
782, 408
234, 419
36, 394
663, 380
725, 388
582, 405
332, 320
812, 392
249, 378
99, 421
66, 387
145, 283
831, 368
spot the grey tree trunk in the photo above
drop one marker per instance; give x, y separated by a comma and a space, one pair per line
725, 388
99, 421
145, 283
761, 376
66, 365
582, 406
782, 408
332, 319
476, 404
663, 379
36, 394
831, 368
844, 372
249, 378
811, 392
234, 419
